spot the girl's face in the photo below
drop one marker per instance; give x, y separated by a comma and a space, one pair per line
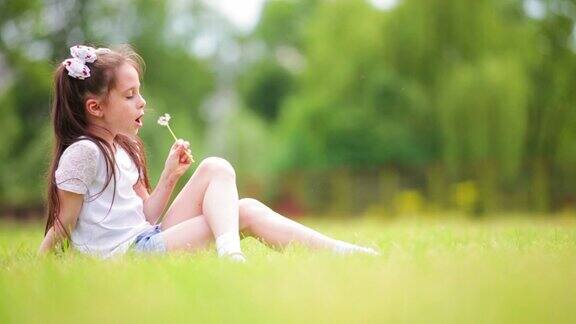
124, 108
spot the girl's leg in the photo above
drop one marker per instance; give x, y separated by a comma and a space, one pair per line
260, 221
191, 199
207, 206
211, 191
189, 235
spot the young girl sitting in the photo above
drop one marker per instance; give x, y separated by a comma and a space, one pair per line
99, 195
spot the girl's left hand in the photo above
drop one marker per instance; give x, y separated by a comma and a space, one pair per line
179, 159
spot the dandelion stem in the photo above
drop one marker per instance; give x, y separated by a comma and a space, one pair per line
171, 132
176, 139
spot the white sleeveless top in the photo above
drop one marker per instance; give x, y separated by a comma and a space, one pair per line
101, 229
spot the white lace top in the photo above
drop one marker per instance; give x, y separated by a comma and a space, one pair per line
100, 231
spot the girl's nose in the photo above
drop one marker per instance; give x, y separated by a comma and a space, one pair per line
143, 103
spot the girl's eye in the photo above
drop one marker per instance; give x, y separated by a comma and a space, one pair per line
130, 97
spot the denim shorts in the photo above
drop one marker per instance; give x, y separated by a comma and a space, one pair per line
150, 241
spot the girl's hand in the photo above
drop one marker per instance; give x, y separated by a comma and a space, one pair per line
178, 160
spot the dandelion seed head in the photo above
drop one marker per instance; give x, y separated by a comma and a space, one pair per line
163, 120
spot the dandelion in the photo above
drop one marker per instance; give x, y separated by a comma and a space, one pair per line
164, 121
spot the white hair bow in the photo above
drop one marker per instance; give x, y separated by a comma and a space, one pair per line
76, 65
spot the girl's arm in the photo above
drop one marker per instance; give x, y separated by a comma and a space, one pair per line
70, 205
155, 203
178, 161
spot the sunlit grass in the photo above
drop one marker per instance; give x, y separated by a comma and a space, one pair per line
430, 272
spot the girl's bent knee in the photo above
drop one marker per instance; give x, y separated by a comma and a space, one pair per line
217, 165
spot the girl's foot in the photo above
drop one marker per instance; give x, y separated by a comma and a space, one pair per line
349, 248
228, 246
235, 256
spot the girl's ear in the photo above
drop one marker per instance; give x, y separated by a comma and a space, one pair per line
94, 108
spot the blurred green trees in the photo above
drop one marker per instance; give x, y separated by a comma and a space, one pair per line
341, 105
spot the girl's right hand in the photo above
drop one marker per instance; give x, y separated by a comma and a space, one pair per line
179, 159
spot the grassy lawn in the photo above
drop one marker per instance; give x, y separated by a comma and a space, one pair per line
490, 271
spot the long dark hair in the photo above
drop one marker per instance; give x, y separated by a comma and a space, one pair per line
70, 121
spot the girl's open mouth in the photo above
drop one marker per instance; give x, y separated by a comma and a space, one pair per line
139, 121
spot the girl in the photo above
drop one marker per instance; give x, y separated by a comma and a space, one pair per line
99, 195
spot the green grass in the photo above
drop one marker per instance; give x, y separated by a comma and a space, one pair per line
493, 271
